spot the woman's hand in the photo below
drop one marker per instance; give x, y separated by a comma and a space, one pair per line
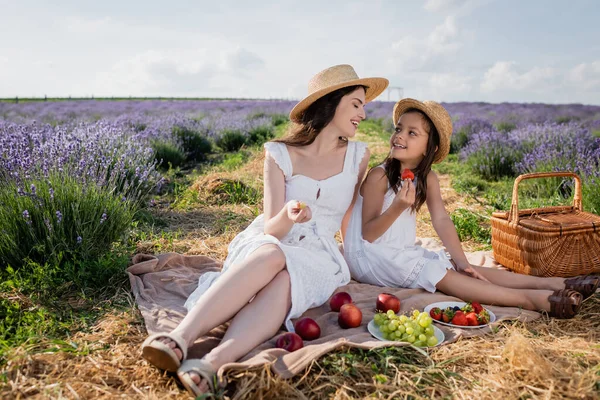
405, 197
298, 212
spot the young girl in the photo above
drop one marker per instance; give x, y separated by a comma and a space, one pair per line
287, 260
380, 245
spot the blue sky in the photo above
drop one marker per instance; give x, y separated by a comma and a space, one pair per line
445, 50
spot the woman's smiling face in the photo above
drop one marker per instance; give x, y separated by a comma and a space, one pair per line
349, 112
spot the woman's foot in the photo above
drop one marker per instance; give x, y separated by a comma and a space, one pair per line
165, 351
197, 376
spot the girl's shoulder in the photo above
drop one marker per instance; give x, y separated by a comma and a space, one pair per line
377, 178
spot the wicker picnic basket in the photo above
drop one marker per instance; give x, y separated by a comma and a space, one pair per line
547, 241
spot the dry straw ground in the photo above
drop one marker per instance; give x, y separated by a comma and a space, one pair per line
545, 359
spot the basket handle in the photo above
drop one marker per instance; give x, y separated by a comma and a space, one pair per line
513, 217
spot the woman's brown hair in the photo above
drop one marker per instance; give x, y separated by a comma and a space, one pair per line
393, 168
316, 117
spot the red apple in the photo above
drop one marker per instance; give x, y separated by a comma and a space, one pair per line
308, 329
289, 341
338, 300
350, 316
386, 301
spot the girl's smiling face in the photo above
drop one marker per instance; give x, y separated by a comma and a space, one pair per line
409, 141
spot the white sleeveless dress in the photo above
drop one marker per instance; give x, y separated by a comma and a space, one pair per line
393, 259
313, 259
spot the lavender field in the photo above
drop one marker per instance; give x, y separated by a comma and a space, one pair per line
116, 153
86, 184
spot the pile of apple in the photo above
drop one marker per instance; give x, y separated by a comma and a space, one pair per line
306, 328
349, 316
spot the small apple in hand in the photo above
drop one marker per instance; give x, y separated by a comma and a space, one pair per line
308, 329
338, 300
387, 301
350, 316
289, 341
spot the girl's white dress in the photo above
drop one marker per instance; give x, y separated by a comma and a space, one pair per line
393, 259
313, 259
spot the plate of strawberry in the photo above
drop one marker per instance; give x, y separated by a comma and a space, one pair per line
460, 314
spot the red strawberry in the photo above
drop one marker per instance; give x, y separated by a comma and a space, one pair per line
447, 315
460, 319
436, 313
467, 308
476, 307
407, 174
483, 317
472, 319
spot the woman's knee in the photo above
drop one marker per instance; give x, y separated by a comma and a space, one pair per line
273, 256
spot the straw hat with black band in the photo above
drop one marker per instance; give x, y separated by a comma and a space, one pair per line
438, 115
332, 79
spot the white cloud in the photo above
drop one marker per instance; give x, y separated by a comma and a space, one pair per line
448, 87
183, 72
585, 76
442, 5
454, 7
427, 53
442, 39
503, 75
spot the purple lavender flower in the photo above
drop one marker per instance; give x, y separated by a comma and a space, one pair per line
103, 218
79, 240
59, 217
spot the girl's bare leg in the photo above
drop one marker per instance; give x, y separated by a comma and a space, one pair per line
471, 289
258, 321
519, 281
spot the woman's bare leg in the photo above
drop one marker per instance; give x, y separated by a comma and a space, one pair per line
230, 293
471, 289
519, 281
258, 321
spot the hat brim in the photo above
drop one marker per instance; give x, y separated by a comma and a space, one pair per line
438, 115
375, 86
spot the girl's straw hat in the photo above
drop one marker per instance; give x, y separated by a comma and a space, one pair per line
438, 115
332, 79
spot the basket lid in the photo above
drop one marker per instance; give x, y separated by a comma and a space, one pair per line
561, 222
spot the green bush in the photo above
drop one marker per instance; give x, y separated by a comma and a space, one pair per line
231, 140
195, 145
60, 220
167, 155
260, 134
471, 226
505, 126
279, 119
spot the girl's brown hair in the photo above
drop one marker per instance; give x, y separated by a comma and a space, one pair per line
316, 117
393, 168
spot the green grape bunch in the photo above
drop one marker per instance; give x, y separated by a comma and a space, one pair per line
416, 329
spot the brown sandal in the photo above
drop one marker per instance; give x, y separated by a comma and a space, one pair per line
586, 285
565, 303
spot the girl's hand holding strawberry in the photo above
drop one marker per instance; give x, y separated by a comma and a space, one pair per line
298, 212
405, 197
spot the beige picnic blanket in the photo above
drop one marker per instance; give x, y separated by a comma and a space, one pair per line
162, 283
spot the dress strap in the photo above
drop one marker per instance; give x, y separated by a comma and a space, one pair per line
280, 154
354, 155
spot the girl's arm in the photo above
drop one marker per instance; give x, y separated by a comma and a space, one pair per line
361, 173
375, 223
445, 228
277, 221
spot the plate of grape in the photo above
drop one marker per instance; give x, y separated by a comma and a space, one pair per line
416, 329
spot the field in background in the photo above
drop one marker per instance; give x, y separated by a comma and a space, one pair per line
85, 185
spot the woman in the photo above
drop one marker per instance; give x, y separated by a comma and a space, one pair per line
287, 260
